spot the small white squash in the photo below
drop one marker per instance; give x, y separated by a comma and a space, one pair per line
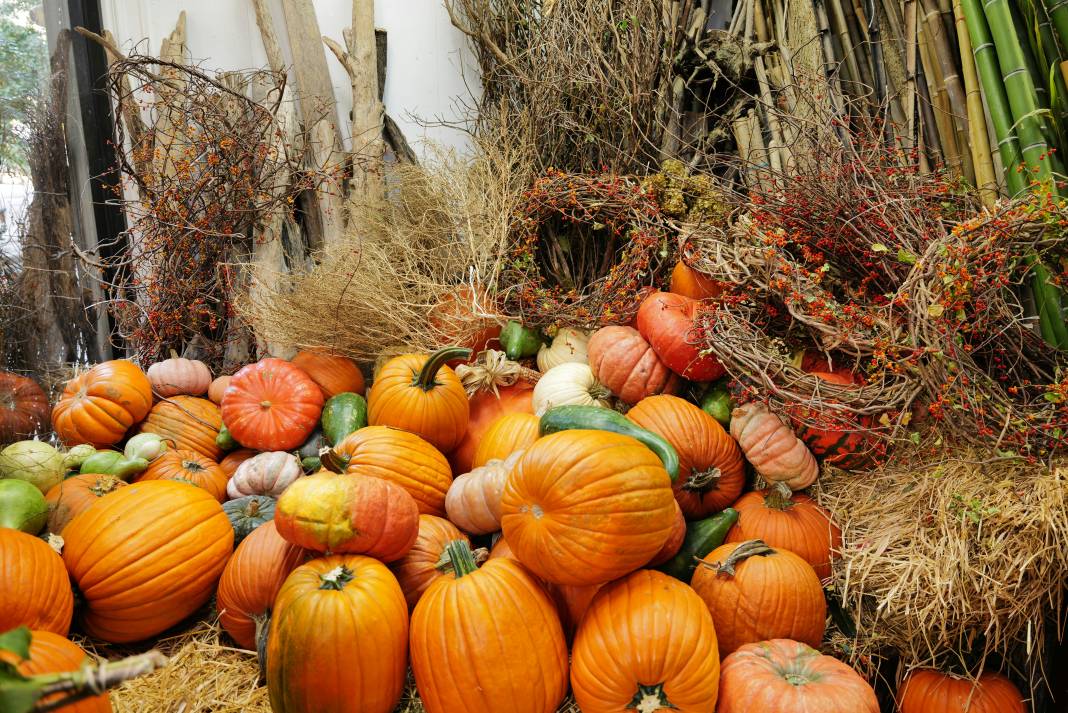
569, 383
569, 345
473, 502
177, 377
264, 474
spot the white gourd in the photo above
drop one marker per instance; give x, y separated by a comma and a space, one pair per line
567, 384
569, 345
264, 474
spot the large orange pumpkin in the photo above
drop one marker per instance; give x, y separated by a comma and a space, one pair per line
487, 407
792, 522
402, 458
52, 653
711, 468
928, 691
486, 640
251, 580
74, 495
145, 557
756, 593
99, 406
623, 361
690, 283
35, 590
23, 407
334, 374
647, 643
425, 562
188, 467
666, 320
271, 405
509, 433
187, 423
339, 638
585, 507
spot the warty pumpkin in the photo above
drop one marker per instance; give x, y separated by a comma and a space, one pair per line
403, 459
646, 643
834, 435
771, 446
474, 499
420, 394
755, 593
99, 406
271, 405
585, 507
264, 474
567, 384
783, 676
23, 407
666, 320
188, 467
52, 653
568, 345
426, 561
145, 557
486, 640
251, 580
926, 690
791, 521
333, 373
624, 362
186, 423
74, 495
360, 660
509, 433
36, 592
693, 284
711, 469
176, 376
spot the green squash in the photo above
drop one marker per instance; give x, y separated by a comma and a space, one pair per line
248, 513
113, 463
35, 462
718, 403
225, 440
343, 414
22, 506
519, 341
702, 536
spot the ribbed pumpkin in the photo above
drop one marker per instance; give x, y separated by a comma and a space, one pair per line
771, 446
175, 376
36, 591
187, 424
233, 459
360, 661
23, 407
248, 513
101, 405
666, 320
673, 543
646, 643
509, 433
402, 458
74, 495
52, 653
487, 407
264, 474
271, 405
419, 393
757, 593
474, 500
711, 469
145, 557
783, 676
189, 467
251, 580
928, 691
334, 374
624, 362
336, 512
791, 521
585, 507
487, 640
425, 562
690, 283
569, 344
569, 383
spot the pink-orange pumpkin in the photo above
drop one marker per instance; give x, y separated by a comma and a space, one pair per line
623, 361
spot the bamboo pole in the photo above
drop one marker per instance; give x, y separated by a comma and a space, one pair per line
952, 90
978, 140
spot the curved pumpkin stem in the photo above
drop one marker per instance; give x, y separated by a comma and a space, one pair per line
779, 496
703, 480
263, 628
650, 699
336, 579
461, 559
427, 377
333, 461
444, 563
747, 549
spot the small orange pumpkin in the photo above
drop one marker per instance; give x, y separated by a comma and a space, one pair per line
509, 433
925, 690
233, 459
271, 405
426, 561
693, 284
74, 495
623, 361
36, 591
101, 405
217, 388
23, 407
188, 467
333, 373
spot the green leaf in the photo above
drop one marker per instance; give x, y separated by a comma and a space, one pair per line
17, 641
879, 248
1053, 397
906, 257
935, 310
914, 437
18, 696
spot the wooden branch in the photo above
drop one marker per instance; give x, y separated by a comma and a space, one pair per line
265, 21
396, 140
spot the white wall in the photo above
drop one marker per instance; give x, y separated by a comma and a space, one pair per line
429, 64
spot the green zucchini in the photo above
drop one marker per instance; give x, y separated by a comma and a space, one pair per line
596, 418
343, 414
718, 403
702, 536
519, 341
113, 463
224, 440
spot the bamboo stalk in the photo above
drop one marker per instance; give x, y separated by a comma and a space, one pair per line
953, 91
856, 38
841, 29
835, 87
978, 140
909, 96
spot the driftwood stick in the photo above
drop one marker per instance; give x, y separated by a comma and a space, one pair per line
265, 21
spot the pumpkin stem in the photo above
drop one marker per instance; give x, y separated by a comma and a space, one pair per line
336, 579
192, 466
174, 354
427, 377
701, 481
747, 549
650, 699
599, 392
779, 496
263, 628
444, 563
461, 559
253, 508
333, 461
103, 485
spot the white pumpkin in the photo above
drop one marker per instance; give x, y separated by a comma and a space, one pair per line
569, 383
149, 446
264, 474
569, 345
177, 376
473, 502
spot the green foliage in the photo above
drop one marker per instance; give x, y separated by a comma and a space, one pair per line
18, 694
23, 68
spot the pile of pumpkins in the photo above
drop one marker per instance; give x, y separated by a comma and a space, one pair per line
507, 541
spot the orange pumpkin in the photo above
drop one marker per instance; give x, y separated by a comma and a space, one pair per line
833, 434
771, 446
623, 361
711, 468
361, 663
36, 591
783, 676
271, 405
334, 374
188, 467
486, 408
145, 557
756, 593
509, 433
674, 541
419, 393
696, 285
233, 459
647, 643
425, 562
925, 690
495, 633
217, 388
52, 653
789, 521
402, 458
666, 320
187, 423
586, 507
23, 407
74, 495
101, 405
459, 317
251, 580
